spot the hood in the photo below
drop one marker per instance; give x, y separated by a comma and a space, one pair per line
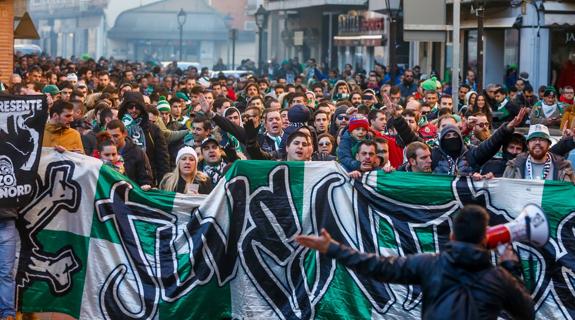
468, 256
337, 84
54, 128
447, 129
468, 95
138, 99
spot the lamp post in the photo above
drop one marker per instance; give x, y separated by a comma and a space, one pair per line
261, 17
233, 36
182, 16
393, 8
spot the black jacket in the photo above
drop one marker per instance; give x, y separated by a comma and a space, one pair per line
157, 151
156, 146
136, 164
496, 288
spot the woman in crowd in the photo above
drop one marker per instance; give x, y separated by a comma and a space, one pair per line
185, 178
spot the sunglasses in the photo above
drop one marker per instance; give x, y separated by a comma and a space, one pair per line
131, 106
482, 124
342, 117
324, 144
367, 97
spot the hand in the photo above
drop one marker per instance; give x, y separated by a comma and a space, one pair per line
320, 243
60, 149
251, 130
354, 174
146, 187
206, 108
518, 119
508, 254
388, 169
471, 121
476, 176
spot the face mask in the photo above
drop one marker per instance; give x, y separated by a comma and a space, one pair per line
452, 146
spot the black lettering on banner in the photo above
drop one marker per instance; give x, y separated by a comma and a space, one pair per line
260, 238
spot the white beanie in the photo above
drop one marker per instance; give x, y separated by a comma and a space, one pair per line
72, 77
186, 150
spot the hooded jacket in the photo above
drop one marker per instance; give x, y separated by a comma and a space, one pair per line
470, 159
156, 146
56, 135
496, 289
562, 169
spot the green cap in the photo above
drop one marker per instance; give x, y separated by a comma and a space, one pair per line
182, 95
51, 89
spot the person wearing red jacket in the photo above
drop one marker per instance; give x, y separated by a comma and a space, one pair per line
377, 121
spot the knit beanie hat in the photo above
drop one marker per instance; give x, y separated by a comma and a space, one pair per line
163, 105
186, 150
429, 84
358, 122
299, 114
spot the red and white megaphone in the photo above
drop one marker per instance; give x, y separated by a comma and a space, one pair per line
530, 226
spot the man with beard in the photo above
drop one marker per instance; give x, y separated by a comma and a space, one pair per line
549, 111
481, 128
367, 157
321, 121
58, 133
539, 163
144, 133
407, 85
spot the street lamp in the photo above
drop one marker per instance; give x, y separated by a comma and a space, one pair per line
182, 16
261, 17
392, 8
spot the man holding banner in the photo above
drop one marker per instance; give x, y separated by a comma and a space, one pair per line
458, 283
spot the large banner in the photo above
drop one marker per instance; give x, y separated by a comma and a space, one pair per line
97, 247
22, 120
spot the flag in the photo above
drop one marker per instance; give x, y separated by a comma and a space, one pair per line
22, 121
95, 246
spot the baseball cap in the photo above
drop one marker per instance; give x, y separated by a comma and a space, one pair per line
538, 131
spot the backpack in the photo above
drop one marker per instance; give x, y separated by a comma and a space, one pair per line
456, 301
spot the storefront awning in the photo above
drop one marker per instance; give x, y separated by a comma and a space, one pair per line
493, 23
552, 19
374, 40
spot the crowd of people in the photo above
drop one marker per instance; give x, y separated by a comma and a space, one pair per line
180, 130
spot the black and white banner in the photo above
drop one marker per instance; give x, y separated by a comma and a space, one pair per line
22, 121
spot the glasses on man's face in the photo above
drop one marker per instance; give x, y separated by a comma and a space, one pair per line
342, 117
408, 76
482, 124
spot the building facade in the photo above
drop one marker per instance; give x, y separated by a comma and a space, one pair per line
70, 27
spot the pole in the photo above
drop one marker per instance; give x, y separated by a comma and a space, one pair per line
480, 15
455, 56
392, 32
260, 62
330, 40
234, 36
181, 40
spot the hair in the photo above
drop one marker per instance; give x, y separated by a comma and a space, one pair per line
318, 112
411, 149
116, 124
104, 139
297, 134
394, 90
411, 113
219, 102
201, 119
197, 90
270, 110
367, 143
59, 107
443, 117
380, 140
297, 94
170, 180
470, 224
329, 136
372, 115
501, 91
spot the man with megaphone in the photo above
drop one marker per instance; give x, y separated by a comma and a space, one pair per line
460, 282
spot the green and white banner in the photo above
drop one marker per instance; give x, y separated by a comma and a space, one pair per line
95, 246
